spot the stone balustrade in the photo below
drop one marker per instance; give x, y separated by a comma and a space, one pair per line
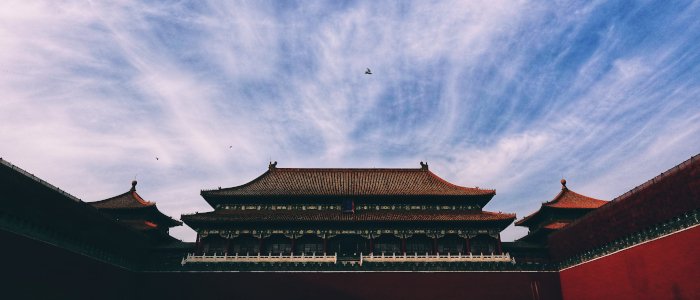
393, 258
191, 258
437, 258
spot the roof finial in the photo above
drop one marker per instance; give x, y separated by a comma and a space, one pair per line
563, 184
424, 166
133, 185
272, 166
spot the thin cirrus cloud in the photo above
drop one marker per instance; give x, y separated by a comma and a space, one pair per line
510, 95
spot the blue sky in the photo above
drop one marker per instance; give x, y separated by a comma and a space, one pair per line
510, 95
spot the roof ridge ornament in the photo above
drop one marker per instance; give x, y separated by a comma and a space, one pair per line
133, 185
563, 184
424, 166
272, 166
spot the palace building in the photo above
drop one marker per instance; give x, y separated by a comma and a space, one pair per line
554, 215
135, 212
355, 215
352, 234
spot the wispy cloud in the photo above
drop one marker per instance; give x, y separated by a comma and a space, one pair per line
498, 94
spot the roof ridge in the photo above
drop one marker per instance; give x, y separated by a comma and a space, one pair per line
561, 197
673, 170
110, 198
256, 179
37, 179
349, 169
457, 186
141, 200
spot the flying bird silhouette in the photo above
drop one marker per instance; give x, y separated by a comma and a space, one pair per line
156, 157
368, 72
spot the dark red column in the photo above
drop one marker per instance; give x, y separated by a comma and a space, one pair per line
228, 245
199, 244
469, 246
325, 245
435, 245
260, 245
403, 244
500, 251
293, 244
371, 245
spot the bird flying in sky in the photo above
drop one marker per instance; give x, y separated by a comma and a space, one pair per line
368, 72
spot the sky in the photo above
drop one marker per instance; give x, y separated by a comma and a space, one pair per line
506, 95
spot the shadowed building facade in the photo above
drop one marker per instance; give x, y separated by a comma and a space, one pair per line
644, 241
143, 216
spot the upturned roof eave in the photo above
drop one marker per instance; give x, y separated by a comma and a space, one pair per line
545, 209
214, 200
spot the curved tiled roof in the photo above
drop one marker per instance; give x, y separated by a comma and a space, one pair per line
349, 182
129, 199
360, 216
132, 201
567, 199
570, 199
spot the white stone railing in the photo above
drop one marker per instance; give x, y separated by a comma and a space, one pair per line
437, 258
191, 258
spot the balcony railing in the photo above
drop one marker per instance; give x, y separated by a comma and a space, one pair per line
437, 258
313, 258
393, 258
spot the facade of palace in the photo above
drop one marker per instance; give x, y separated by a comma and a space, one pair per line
349, 214
349, 234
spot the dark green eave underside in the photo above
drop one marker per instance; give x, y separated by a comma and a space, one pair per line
480, 200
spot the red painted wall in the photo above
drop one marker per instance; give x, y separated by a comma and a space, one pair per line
656, 201
354, 285
36, 270
667, 268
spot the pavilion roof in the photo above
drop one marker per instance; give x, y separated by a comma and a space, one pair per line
291, 216
566, 199
348, 182
131, 201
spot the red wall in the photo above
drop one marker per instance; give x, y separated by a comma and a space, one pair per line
35, 270
656, 201
667, 268
353, 285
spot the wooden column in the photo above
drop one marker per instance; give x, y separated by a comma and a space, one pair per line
435, 251
228, 245
198, 247
500, 250
469, 246
371, 244
293, 243
325, 245
260, 245
403, 244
